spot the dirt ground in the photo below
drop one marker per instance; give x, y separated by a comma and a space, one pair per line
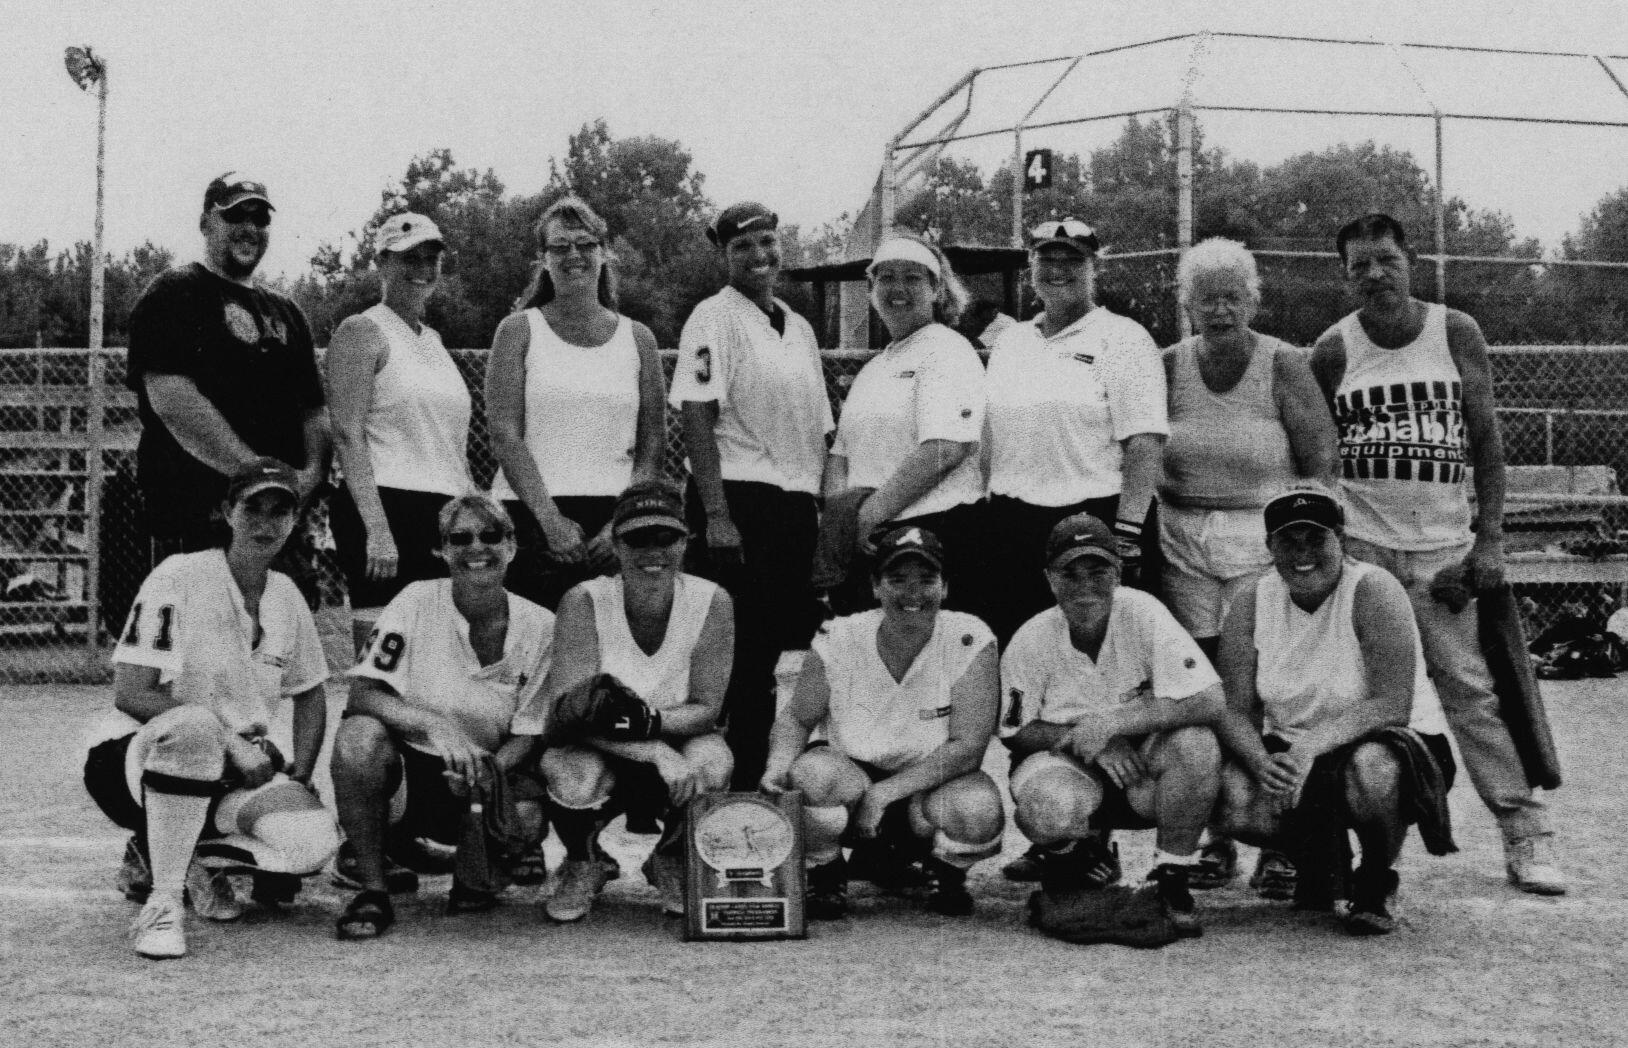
1474, 963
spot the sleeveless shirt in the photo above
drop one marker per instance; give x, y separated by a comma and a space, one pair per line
661, 679
418, 424
1226, 450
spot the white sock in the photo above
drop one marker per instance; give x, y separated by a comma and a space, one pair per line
174, 822
1164, 858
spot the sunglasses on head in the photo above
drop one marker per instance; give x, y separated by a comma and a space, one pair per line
645, 538
489, 536
1070, 228
246, 213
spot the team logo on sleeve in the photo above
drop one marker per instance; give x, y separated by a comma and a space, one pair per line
703, 364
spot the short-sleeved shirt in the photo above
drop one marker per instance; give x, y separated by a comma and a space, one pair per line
420, 648
773, 413
927, 386
190, 623
887, 723
1146, 654
1059, 406
249, 352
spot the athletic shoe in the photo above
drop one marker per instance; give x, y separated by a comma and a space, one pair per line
886, 865
158, 930
581, 881
1371, 894
398, 879
1216, 867
272, 891
135, 876
1170, 884
1275, 876
464, 899
1530, 864
1026, 867
211, 893
666, 873
1089, 864
947, 889
827, 896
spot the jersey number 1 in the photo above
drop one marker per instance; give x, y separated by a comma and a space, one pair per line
164, 639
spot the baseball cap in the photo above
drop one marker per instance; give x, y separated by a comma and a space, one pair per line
1069, 232
406, 231
1303, 507
740, 218
231, 189
909, 541
648, 504
904, 249
260, 475
1081, 535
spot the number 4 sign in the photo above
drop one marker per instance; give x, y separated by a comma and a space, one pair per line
1037, 170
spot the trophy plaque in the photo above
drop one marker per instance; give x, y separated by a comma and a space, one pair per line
743, 865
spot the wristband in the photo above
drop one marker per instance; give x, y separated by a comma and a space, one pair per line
1127, 530
1128, 537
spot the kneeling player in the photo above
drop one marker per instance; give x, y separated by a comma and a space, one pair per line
905, 698
214, 641
668, 638
432, 705
1109, 707
1332, 724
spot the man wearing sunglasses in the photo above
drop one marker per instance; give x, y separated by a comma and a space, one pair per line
224, 372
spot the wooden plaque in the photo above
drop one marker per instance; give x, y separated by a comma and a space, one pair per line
743, 867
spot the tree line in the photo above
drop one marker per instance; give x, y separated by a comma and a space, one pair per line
656, 205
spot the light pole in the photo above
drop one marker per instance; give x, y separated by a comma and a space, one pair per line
87, 69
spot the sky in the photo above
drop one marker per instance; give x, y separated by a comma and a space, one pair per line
788, 102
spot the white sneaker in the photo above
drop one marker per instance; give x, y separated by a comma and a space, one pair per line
157, 931
580, 884
666, 872
211, 893
1530, 863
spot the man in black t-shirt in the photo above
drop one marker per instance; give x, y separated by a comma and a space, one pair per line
224, 372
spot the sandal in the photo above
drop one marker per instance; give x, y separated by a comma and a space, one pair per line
530, 868
368, 916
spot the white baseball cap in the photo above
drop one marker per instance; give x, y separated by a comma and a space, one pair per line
406, 231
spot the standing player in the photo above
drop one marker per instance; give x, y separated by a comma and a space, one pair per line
752, 394
1411, 391
1109, 708
432, 709
223, 372
904, 698
668, 638
214, 641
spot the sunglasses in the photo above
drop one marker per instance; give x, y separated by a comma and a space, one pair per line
489, 536
246, 213
565, 248
647, 538
1070, 228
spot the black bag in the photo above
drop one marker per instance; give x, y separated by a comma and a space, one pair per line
1116, 914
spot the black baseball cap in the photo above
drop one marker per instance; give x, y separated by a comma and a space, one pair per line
648, 504
909, 541
231, 189
1081, 535
262, 474
1303, 507
736, 219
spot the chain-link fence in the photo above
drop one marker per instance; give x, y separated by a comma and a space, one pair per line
72, 549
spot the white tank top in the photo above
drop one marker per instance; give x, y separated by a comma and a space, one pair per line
418, 424
1309, 665
1400, 415
662, 679
582, 411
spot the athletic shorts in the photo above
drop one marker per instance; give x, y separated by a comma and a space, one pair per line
1211, 556
1330, 767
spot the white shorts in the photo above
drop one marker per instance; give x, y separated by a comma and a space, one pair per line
1211, 556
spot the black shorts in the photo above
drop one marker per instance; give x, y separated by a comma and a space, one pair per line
895, 825
105, 782
1331, 765
414, 518
1115, 811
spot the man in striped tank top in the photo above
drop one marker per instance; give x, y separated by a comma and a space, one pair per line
1411, 391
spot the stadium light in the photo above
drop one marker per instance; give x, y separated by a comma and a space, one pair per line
87, 69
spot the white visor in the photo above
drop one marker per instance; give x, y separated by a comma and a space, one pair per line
903, 249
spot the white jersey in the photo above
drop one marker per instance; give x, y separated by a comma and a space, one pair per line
1145, 654
189, 622
887, 723
773, 413
582, 411
1059, 407
661, 679
418, 422
1403, 445
1309, 665
927, 386
420, 649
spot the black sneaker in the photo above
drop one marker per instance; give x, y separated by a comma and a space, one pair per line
947, 889
1371, 896
1216, 867
1275, 876
1026, 867
827, 897
273, 891
463, 899
1088, 864
886, 865
1170, 883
